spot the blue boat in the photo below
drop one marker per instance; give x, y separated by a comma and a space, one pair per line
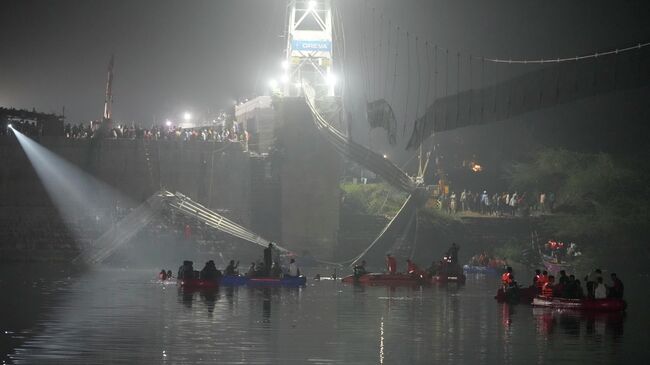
233, 280
485, 270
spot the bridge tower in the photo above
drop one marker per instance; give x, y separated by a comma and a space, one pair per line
309, 58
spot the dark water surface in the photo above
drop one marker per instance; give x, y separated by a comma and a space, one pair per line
118, 316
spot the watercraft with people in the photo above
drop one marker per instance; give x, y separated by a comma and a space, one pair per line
600, 305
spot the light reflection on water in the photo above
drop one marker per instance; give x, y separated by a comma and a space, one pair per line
122, 316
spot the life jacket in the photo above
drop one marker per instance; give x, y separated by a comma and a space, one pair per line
543, 279
547, 290
392, 264
506, 278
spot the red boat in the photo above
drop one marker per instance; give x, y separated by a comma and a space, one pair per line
384, 279
521, 295
199, 283
601, 305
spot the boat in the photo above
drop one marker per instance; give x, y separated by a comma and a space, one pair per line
384, 279
599, 305
485, 270
284, 281
238, 280
234, 280
518, 295
198, 283
553, 265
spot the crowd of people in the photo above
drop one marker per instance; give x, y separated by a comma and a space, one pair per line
268, 267
568, 286
500, 204
234, 133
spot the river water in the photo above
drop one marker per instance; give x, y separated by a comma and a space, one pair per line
117, 316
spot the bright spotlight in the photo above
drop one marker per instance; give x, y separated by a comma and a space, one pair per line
331, 79
312, 4
10, 126
187, 116
385, 155
273, 84
168, 123
284, 79
285, 65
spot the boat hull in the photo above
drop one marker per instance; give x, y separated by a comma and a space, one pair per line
520, 295
198, 283
383, 279
231, 280
598, 305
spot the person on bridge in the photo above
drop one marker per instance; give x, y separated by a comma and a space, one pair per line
231, 269
268, 258
391, 264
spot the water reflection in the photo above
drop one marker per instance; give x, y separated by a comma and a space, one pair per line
114, 316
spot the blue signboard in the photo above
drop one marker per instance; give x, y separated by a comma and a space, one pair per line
311, 46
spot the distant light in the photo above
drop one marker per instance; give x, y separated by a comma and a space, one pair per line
187, 116
273, 84
331, 79
10, 126
385, 155
284, 79
168, 122
297, 85
312, 4
285, 65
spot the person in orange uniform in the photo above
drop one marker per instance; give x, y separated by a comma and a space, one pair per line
412, 268
507, 277
543, 279
547, 289
391, 264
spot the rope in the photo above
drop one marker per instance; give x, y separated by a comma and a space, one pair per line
408, 81
594, 55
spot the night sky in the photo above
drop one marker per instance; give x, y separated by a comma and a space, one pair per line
200, 56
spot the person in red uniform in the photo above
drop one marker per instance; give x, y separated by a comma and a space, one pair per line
391, 264
543, 279
506, 277
547, 289
412, 268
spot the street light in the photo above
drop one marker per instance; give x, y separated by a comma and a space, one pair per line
10, 126
312, 4
168, 123
273, 84
187, 116
285, 65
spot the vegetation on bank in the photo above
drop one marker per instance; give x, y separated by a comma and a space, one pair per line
373, 199
601, 201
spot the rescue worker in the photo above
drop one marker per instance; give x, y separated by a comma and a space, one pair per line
391, 264
162, 275
591, 280
616, 290
543, 279
169, 274
186, 271
547, 289
506, 278
360, 269
600, 291
209, 271
268, 258
411, 267
453, 253
294, 271
231, 269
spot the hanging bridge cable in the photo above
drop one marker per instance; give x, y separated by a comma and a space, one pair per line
589, 56
394, 86
417, 63
408, 83
374, 55
457, 88
386, 74
482, 90
428, 101
435, 84
363, 51
446, 87
471, 88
